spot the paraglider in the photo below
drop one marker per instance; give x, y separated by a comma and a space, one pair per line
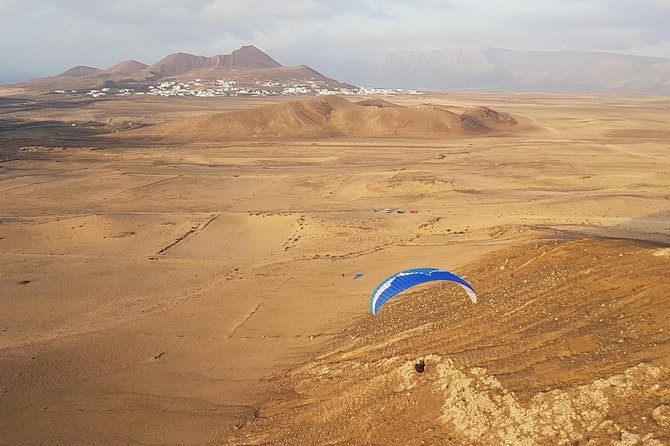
403, 280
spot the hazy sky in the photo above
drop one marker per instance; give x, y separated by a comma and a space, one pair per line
46, 37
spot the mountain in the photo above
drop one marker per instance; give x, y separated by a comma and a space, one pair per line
486, 69
127, 67
334, 116
246, 66
78, 71
495, 69
180, 63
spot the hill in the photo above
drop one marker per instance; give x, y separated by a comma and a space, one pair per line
126, 68
78, 71
566, 360
335, 116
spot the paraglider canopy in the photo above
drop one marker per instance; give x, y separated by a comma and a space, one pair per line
403, 280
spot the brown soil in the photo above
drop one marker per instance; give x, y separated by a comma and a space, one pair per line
203, 292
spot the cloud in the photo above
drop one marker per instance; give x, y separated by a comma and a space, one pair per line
255, 12
7, 6
614, 25
101, 33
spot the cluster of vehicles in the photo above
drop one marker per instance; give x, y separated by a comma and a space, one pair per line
399, 211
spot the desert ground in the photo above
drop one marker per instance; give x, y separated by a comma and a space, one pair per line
169, 286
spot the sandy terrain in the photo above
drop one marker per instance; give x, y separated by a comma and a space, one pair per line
203, 292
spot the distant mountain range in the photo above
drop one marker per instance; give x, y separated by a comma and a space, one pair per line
488, 69
247, 66
494, 69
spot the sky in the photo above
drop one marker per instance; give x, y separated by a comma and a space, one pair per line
46, 37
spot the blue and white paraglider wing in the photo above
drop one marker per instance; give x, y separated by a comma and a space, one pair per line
403, 280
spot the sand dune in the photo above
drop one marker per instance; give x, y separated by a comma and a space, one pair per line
334, 116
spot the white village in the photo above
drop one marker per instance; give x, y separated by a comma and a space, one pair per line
221, 87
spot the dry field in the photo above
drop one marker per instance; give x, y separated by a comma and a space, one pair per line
157, 289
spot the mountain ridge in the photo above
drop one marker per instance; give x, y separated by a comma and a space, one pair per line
246, 66
179, 63
505, 70
486, 69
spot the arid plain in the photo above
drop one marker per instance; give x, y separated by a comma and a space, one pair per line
173, 284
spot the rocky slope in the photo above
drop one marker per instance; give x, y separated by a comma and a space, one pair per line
564, 347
